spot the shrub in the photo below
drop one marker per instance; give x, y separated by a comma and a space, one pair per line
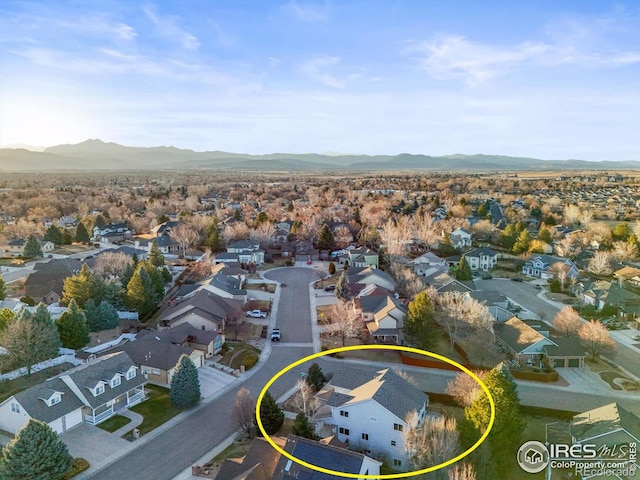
79, 465
250, 360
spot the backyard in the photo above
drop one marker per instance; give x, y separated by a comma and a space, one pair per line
11, 387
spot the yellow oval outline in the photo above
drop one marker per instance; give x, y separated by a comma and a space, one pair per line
376, 347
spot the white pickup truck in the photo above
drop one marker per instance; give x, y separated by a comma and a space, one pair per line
257, 314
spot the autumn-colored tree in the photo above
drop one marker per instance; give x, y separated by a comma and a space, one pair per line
567, 321
596, 339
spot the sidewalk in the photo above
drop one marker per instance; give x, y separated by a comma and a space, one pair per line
136, 421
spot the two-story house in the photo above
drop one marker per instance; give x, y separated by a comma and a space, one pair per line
383, 316
481, 258
460, 238
111, 233
539, 266
248, 251
371, 414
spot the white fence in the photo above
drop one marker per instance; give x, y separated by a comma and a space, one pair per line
70, 358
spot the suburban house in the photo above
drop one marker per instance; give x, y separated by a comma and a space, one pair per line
370, 276
539, 266
383, 316
443, 282
603, 292
158, 357
497, 304
203, 310
303, 250
362, 257
262, 461
248, 251
185, 334
91, 393
481, 258
227, 286
424, 263
371, 414
166, 244
628, 274
46, 282
530, 343
15, 248
111, 233
609, 428
460, 238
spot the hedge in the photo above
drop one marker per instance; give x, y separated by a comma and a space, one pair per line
79, 465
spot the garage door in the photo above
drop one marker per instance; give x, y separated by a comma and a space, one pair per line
574, 362
57, 425
74, 418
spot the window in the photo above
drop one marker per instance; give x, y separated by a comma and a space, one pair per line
397, 427
115, 381
131, 373
397, 462
99, 389
365, 436
393, 443
15, 408
344, 413
55, 399
343, 431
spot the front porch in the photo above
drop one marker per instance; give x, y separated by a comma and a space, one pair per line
99, 414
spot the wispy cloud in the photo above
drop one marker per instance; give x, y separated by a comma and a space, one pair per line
306, 12
169, 27
456, 57
322, 69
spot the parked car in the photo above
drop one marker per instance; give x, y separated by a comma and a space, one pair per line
257, 314
537, 287
487, 276
517, 279
275, 335
329, 288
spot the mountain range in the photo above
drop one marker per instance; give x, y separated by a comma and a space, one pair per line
95, 154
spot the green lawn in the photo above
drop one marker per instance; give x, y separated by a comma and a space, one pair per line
11, 387
156, 410
114, 423
240, 354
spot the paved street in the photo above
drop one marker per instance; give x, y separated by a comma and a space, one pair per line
176, 448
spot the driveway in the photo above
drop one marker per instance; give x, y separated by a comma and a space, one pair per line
94, 444
212, 380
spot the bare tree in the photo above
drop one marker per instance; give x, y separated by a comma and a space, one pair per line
112, 263
600, 264
483, 228
407, 281
567, 246
244, 411
263, 233
624, 250
304, 400
586, 217
425, 229
394, 234
345, 321
572, 214
465, 389
432, 443
596, 339
567, 321
233, 233
185, 235
462, 471
459, 310
560, 271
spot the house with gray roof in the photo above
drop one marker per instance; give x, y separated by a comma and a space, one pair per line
540, 266
371, 413
481, 258
91, 393
227, 286
202, 309
46, 282
248, 251
382, 315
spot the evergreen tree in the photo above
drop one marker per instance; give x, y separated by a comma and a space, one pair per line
72, 327
99, 221
325, 238
157, 280
28, 300
163, 218
508, 236
445, 247
464, 270
356, 216
67, 238
114, 293
36, 453
213, 240
302, 427
91, 314
185, 384
343, 291
108, 315
621, 232
419, 327
166, 275
260, 218
544, 234
82, 235
271, 414
42, 314
140, 292
3, 289
6, 317
315, 378
32, 247
30, 340
54, 234
155, 256
506, 435
83, 286
523, 242
332, 268
127, 274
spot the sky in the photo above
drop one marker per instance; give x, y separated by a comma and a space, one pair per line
544, 79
